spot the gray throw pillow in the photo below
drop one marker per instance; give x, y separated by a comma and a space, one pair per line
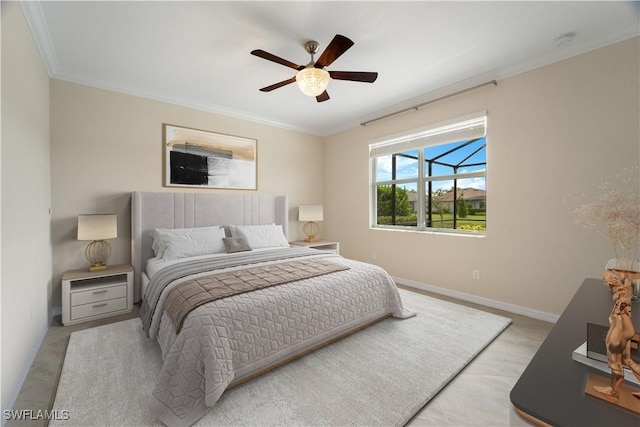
236, 244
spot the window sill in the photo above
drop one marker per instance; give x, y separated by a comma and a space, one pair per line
437, 232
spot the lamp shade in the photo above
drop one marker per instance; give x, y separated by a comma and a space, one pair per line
97, 227
310, 213
312, 81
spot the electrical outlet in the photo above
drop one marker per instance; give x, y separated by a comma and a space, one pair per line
373, 256
476, 274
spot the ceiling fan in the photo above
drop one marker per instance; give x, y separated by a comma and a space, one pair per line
313, 78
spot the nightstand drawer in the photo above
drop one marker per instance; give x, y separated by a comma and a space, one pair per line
97, 308
97, 295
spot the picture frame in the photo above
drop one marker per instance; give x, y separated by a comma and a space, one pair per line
203, 159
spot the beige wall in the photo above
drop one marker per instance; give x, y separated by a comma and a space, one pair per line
104, 145
26, 246
551, 131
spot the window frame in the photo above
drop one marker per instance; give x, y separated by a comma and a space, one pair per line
463, 128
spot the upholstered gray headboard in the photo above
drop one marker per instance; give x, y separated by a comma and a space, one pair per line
180, 210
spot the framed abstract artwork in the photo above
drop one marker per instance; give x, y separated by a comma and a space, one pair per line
203, 159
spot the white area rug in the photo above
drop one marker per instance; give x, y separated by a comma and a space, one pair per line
382, 375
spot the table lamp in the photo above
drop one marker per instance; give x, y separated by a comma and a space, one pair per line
97, 228
310, 213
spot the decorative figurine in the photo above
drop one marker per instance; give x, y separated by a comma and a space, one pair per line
618, 339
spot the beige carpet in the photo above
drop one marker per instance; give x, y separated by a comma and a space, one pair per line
382, 375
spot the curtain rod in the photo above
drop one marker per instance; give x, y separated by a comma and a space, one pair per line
416, 107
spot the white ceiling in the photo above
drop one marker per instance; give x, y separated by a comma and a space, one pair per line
197, 54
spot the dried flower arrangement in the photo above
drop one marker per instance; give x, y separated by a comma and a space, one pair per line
616, 214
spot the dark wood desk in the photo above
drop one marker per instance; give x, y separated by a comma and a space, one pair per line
551, 389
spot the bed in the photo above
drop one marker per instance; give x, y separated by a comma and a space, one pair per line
236, 300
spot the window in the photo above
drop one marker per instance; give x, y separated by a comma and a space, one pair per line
433, 179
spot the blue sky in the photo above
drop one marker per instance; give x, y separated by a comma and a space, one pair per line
408, 168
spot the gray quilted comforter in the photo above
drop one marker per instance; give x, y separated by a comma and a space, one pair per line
231, 338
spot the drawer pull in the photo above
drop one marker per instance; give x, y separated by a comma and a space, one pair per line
104, 291
99, 305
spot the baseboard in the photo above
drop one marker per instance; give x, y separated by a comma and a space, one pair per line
511, 308
10, 400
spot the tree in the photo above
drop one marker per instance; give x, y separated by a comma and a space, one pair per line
385, 201
463, 207
438, 205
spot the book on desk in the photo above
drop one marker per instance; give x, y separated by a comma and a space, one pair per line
593, 352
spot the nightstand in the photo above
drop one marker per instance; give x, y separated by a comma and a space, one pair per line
90, 295
325, 245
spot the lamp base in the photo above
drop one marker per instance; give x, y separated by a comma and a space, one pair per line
97, 253
311, 231
98, 267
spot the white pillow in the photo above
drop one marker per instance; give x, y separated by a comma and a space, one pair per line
261, 236
162, 235
194, 244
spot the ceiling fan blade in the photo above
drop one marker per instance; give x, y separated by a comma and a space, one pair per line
278, 85
355, 76
271, 57
322, 97
338, 46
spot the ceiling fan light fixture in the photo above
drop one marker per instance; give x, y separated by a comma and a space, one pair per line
312, 81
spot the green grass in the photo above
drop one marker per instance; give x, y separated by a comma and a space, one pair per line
448, 219
473, 221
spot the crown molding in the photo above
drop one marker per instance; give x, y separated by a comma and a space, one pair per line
37, 24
